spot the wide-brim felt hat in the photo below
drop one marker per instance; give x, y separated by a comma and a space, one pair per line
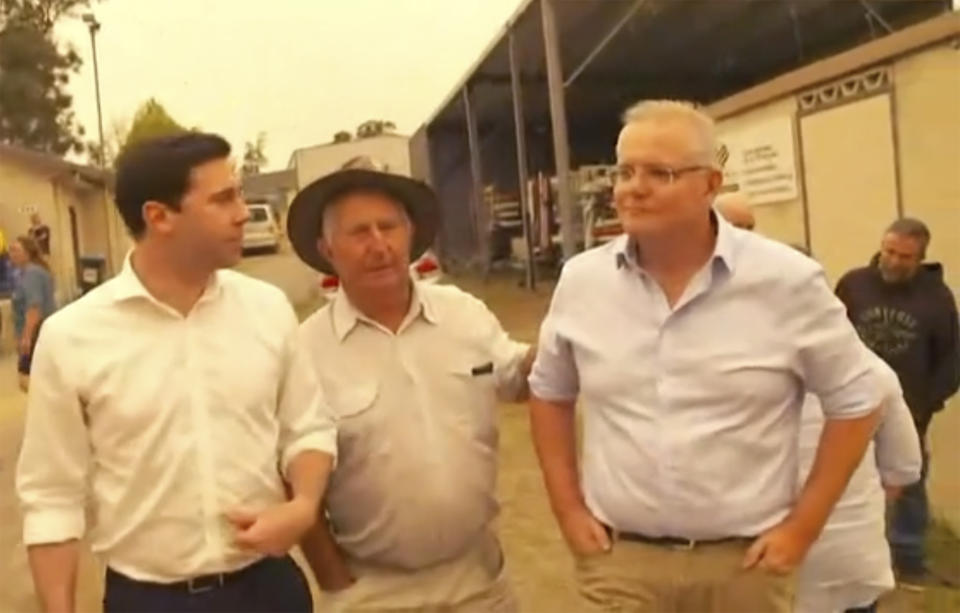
305, 216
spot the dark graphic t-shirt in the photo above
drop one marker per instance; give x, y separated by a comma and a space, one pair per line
913, 326
887, 330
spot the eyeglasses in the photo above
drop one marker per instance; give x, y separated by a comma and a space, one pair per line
653, 173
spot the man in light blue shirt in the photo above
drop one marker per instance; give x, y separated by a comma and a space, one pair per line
690, 345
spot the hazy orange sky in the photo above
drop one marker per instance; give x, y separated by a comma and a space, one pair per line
298, 70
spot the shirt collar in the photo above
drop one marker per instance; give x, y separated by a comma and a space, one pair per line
726, 247
127, 285
724, 251
346, 316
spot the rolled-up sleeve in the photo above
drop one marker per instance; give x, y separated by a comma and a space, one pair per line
51, 477
554, 376
831, 360
306, 423
897, 445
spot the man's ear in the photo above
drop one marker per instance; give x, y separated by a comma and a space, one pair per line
323, 248
714, 182
158, 216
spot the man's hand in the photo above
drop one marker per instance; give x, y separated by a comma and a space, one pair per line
893, 492
526, 365
24, 346
584, 534
779, 550
325, 558
275, 530
333, 577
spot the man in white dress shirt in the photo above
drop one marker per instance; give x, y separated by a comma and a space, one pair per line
690, 344
412, 372
174, 403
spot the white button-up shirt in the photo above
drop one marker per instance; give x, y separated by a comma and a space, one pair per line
691, 413
161, 423
848, 566
416, 417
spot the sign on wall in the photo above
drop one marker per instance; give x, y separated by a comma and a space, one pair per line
759, 160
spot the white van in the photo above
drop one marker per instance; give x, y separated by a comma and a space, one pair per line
261, 231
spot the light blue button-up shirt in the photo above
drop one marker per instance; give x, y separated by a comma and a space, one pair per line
691, 413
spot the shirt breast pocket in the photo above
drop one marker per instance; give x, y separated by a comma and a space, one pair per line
472, 385
352, 400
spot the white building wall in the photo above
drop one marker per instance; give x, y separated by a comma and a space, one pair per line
314, 162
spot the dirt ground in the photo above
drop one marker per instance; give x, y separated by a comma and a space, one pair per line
540, 567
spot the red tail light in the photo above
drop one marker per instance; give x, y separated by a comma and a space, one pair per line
426, 266
330, 282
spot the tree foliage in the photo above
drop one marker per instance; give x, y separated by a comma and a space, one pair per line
41, 14
254, 155
35, 108
115, 135
151, 121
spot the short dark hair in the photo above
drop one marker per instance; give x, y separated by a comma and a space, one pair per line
914, 228
159, 169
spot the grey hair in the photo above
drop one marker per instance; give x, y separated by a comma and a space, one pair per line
914, 228
364, 162
328, 224
679, 110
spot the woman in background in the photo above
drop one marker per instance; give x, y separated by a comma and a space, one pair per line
32, 300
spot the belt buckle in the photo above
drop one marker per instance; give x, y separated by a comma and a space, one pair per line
199, 585
688, 546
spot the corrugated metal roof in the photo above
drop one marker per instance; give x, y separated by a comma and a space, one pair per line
700, 50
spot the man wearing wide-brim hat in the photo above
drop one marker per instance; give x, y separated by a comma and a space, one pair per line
412, 373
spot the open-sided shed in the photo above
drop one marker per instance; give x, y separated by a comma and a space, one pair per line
565, 70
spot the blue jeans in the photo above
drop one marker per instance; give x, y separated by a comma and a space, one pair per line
908, 525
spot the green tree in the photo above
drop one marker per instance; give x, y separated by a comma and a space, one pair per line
342, 136
42, 14
35, 108
151, 121
254, 156
114, 138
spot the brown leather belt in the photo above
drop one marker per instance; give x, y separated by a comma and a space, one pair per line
196, 585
